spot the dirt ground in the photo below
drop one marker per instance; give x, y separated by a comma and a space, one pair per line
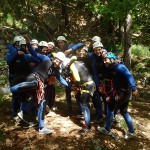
66, 129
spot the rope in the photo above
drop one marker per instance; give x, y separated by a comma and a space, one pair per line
40, 91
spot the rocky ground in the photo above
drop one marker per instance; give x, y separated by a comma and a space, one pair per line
66, 129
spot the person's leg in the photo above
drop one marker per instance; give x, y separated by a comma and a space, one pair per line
53, 93
15, 104
29, 102
109, 119
126, 116
85, 97
97, 104
68, 98
111, 105
41, 114
42, 128
77, 96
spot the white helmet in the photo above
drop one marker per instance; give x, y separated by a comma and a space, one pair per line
23, 41
96, 39
43, 43
51, 43
97, 44
34, 41
60, 55
61, 38
66, 61
18, 38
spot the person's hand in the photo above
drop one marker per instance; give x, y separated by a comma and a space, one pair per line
135, 94
67, 52
117, 61
100, 89
68, 79
20, 53
51, 80
27, 38
108, 99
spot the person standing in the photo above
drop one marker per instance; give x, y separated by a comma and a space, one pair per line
123, 89
17, 59
84, 81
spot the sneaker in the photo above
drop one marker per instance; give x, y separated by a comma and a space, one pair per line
26, 119
129, 135
84, 131
45, 131
20, 115
29, 125
104, 131
17, 119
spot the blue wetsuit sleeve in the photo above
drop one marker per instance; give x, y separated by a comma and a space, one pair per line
12, 50
36, 54
12, 54
30, 58
75, 47
127, 74
60, 78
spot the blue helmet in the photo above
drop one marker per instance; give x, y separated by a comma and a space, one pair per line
111, 55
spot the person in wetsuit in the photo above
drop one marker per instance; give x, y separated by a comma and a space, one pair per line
36, 79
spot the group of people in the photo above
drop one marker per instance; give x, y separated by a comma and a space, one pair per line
91, 70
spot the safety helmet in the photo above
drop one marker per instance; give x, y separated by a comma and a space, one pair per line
51, 43
96, 39
111, 55
22, 42
60, 55
18, 38
34, 41
104, 50
97, 44
61, 38
43, 43
66, 61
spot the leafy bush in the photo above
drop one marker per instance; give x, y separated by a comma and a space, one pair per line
140, 59
140, 51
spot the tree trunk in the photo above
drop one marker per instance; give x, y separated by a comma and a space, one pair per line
65, 14
119, 32
127, 41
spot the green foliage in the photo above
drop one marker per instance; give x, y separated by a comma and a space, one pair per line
112, 9
2, 62
104, 18
140, 59
140, 51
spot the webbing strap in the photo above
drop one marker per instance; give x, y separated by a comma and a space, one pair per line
103, 86
85, 91
86, 83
